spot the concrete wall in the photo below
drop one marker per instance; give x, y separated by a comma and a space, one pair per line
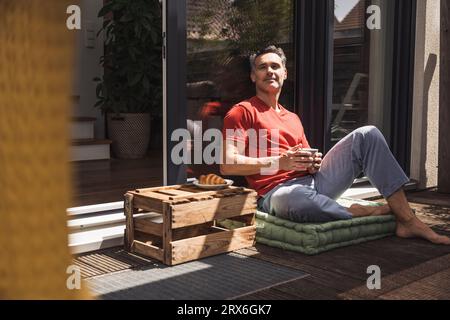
425, 130
87, 65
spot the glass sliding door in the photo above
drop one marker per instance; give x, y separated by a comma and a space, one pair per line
362, 66
220, 35
341, 73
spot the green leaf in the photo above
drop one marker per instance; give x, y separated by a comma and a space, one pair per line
132, 58
146, 25
98, 90
106, 9
119, 5
135, 79
98, 103
126, 18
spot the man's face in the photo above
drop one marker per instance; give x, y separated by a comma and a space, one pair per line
269, 73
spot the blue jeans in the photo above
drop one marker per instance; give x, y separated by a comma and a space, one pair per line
312, 198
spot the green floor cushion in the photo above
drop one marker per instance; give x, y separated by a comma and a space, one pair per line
313, 238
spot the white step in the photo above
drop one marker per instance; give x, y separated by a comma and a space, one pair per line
90, 149
102, 238
91, 222
95, 209
82, 128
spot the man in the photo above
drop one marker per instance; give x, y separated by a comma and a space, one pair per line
305, 187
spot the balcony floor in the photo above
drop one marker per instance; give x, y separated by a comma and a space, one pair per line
410, 268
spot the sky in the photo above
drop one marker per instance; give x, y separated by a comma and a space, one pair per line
343, 8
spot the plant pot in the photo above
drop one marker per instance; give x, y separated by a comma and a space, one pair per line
130, 133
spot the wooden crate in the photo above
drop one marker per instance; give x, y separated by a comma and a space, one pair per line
176, 224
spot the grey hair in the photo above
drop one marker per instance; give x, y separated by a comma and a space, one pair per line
269, 49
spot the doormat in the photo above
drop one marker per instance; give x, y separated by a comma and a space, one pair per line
222, 277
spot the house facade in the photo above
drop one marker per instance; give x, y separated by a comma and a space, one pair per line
428, 130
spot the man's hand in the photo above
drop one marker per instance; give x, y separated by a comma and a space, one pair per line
317, 163
296, 160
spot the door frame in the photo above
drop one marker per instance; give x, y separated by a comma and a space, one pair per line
314, 68
174, 85
403, 81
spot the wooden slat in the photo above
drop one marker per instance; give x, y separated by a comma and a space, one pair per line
147, 250
129, 258
148, 238
308, 289
430, 197
99, 263
214, 209
191, 188
87, 270
113, 262
147, 204
268, 294
152, 225
217, 193
145, 190
167, 234
212, 244
173, 192
436, 287
400, 279
155, 195
129, 221
192, 231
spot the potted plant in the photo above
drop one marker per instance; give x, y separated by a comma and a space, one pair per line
130, 91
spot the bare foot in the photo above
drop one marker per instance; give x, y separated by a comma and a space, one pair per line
358, 210
416, 228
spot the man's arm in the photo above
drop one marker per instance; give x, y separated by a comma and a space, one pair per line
237, 164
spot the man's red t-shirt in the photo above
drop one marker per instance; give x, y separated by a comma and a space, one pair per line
255, 114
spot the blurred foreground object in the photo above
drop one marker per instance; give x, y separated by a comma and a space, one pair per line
36, 61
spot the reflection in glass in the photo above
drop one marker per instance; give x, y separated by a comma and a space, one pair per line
362, 68
220, 36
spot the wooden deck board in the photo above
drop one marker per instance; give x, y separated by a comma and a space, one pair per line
401, 279
309, 289
269, 294
102, 181
431, 197
435, 287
